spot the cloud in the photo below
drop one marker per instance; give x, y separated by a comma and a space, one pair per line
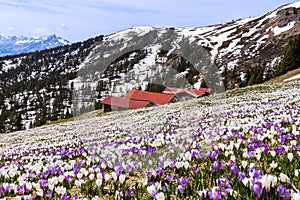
63, 26
41, 30
11, 29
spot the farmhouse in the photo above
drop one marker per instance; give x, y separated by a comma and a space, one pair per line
116, 103
153, 97
184, 94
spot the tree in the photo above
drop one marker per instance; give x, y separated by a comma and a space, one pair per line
291, 59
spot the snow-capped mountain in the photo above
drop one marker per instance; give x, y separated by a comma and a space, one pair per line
40, 87
13, 45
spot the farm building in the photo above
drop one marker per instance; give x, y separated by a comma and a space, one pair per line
153, 97
184, 94
116, 103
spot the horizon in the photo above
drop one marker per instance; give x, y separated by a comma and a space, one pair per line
78, 21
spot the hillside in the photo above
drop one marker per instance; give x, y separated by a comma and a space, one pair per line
241, 144
44, 86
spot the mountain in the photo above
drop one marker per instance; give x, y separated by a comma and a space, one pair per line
44, 86
13, 45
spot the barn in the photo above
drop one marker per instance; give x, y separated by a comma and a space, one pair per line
153, 97
184, 94
118, 103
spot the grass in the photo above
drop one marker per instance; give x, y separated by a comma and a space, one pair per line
281, 78
96, 113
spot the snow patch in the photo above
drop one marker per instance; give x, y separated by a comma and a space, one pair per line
278, 30
292, 78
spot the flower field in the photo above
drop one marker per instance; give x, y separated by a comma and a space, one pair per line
243, 144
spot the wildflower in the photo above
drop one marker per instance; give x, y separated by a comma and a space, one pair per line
130, 192
256, 187
290, 156
244, 164
122, 178
144, 181
160, 196
152, 190
107, 177
92, 176
114, 176
49, 194
215, 194
273, 164
283, 192
39, 192
99, 182
283, 177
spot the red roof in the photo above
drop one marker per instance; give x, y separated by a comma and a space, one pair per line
153, 97
193, 92
124, 103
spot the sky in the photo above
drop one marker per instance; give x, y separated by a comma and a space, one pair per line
77, 20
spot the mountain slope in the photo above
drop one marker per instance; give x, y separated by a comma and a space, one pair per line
14, 45
66, 81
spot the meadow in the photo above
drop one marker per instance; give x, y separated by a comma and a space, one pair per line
241, 144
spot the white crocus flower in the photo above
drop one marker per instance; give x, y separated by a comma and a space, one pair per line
92, 176
186, 165
114, 176
79, 175
274, 164
268, 181
245, 181
160, 196
297, 172
99, 182
39, 192
28, 185
295, 196
283, 177
96, 198
122, 178
144, 181
61, 178
99, 176
78, 183
107, 177
179, 165
244, 164
273, 153
290, 156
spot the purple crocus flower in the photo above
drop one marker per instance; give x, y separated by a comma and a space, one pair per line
217, 165
169, 178
43, 183
65, 197
68, 178
130, 192
21, 189
280, 150
181, 189
242, 175
49, 194
215, 194
235, 170
283, 192
256, 187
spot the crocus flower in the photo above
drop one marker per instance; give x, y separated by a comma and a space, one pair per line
256, 187
152, 190
283, 192
160, 196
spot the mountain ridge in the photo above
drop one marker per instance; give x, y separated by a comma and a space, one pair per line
14, 45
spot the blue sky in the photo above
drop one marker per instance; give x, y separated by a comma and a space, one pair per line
77, 20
